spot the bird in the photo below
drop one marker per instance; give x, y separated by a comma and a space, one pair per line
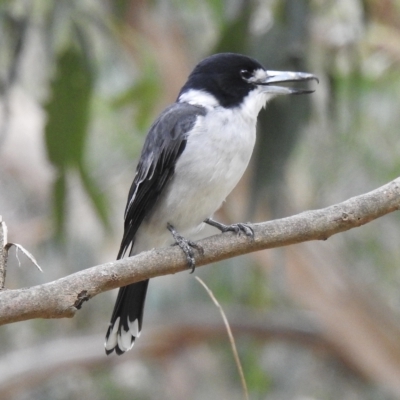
193, 156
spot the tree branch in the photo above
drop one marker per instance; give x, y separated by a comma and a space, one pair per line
63, 297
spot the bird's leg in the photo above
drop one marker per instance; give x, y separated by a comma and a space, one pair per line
186, 246
237, 228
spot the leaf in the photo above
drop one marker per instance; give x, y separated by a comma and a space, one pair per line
68, 112
68, 109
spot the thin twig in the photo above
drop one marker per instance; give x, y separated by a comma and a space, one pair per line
25, 251
231, 338
5, 247
3, 252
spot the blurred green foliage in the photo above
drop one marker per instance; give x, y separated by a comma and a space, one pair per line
142, 96
68, 117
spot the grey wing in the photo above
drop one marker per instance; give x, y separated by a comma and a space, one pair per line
164, 144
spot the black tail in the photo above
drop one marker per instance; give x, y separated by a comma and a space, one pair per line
127, 318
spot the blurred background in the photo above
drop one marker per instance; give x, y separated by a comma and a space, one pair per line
80, 83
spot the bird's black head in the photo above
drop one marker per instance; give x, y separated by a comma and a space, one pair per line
229, 78
225, 76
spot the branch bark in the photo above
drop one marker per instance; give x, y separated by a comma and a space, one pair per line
63, 297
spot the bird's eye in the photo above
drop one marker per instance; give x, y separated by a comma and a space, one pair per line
245, 74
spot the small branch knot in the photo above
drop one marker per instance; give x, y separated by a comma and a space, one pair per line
82, 297
345, 216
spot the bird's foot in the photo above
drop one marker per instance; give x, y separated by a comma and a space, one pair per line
186, 246
237, 228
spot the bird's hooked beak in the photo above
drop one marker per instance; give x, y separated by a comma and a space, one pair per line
271, 79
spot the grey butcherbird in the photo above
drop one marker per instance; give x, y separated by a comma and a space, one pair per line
194, 155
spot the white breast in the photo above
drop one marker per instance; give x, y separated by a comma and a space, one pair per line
216, 155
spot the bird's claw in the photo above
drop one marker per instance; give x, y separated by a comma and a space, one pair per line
186, 246
236, 228
241, 228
